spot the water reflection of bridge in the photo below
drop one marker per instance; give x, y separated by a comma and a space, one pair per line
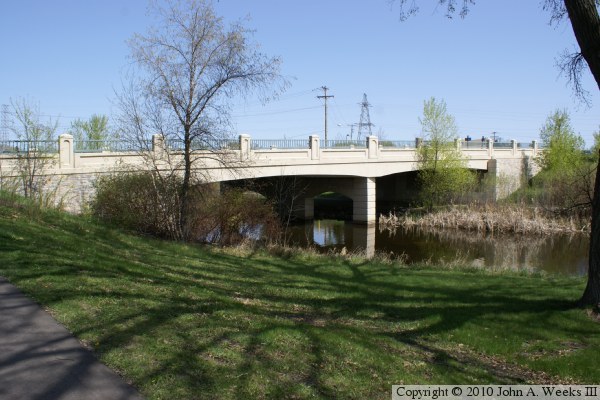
558, 253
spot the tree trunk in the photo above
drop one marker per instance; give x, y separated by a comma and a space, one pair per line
591, 295
586, 26
185, 186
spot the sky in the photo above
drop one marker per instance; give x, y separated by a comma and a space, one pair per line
496, 69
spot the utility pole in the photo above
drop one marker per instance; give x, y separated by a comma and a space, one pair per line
325, 97
352, 130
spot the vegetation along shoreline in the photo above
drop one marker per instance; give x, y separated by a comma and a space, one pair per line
515, 219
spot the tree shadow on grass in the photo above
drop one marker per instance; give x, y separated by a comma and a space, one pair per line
181, 321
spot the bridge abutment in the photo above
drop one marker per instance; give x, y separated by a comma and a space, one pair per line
510, 174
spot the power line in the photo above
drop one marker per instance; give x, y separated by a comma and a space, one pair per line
277, 99
275, 112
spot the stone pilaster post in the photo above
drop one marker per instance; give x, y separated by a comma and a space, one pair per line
66, 151
244, 147
373, 146
159, 147
315, 147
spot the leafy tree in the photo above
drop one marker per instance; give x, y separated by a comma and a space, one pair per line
443, 170
189, 66
563, 148
584, 16
565, 170
596, 146
95, 129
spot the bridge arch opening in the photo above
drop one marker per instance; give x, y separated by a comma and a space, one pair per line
333, 205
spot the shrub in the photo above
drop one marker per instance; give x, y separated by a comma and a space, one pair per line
142, 201
233, 216
150, 204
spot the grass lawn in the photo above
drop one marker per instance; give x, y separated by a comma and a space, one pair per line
182, 321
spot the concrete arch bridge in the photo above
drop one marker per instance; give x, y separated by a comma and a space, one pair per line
354, 169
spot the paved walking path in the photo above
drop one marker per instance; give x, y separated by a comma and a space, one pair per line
40, 359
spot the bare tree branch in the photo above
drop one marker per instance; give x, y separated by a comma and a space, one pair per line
572, 66
189, 66
408, 8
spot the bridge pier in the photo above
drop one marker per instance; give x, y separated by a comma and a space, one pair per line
309, 208
363, 197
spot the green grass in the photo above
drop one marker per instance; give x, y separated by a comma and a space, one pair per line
183, 321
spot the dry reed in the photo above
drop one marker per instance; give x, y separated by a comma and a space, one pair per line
494, 219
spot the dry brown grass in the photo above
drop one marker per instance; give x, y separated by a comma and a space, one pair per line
495, 219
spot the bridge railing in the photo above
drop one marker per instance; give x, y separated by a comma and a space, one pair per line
204, 144
343, 144
474, 144
398, 144
502, 145
244, 144
529, 145
478, 144
114, 145
28, 146
286, 144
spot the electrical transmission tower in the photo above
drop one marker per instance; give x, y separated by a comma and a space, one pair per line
5, 123
364, 126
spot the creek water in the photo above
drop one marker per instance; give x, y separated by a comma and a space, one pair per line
557, 254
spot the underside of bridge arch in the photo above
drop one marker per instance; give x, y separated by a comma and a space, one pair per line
295, 196
402, 190
397, 191
332, 205
360, 199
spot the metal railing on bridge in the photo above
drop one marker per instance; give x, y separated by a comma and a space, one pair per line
210, 144
344, 144
398, 144
286, 144
526, 145
113, 145
502, 145
204, 144
474, 144
478, 144
28, 146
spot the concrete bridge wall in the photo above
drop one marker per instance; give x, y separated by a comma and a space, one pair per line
350, 170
